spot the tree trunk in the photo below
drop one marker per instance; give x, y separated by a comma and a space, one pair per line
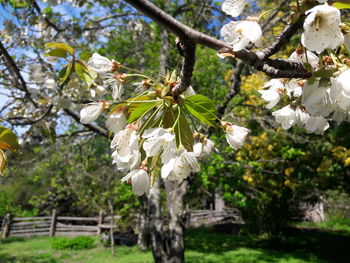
175, 193
143, 230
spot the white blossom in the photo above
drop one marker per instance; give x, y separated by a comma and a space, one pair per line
116, 121
97, 91
238, 34
340, 90
203, 149
180, 166
91, 112
273, 94
126, 149
100, 63
159, 140
235, 135
322, 28
305, 57
286, 116
316, 125
234, 7
50, 84
116, 82
139, 180
294, 88
316, 100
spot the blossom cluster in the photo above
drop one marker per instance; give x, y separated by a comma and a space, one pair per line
326, 95
150, 129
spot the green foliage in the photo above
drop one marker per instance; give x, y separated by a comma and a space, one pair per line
77, 243
202, 108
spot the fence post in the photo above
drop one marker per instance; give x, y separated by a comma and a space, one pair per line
6, 226
53, 223
99, 222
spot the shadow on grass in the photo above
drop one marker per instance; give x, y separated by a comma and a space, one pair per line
311, 245
5, 258
11, 239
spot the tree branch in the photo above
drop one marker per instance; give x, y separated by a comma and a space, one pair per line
12, 66
189, 52
187, 34
91, 126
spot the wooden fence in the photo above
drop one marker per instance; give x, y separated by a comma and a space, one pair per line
208, 217
90, 226
54, 226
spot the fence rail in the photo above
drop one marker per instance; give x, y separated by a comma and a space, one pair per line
54, 225
90, 226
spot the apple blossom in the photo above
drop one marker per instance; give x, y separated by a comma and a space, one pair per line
235, 135
126, 149
116, 121
322, 28
180, 166
286, 117
340, 90
100, 63
159, 140
272, 95
234, 7
316, 125
239, 34
303, 56
91, 111
139, 180
203, 148
97, 91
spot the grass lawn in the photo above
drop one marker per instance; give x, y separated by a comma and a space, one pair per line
202, 245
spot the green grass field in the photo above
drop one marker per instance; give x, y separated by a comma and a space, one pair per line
202, 245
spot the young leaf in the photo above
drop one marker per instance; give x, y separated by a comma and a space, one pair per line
142, 109
63, 46
89, 76
67, 73
341, 5
202, 108
61, 53
8, 139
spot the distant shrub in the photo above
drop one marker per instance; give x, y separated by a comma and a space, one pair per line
82, 242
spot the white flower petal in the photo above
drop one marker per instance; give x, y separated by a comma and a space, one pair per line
91, 112
234, 7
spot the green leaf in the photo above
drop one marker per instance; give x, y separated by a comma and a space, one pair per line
67, 73
201, 108
85, 56
142, 109
324, 73
8, 139
61, 53
63, 46
341, 5
184, 131
89, 76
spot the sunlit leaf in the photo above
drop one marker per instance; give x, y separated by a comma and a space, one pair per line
67, 72
141, 110
342, 5
61, 53
8, 139
202, 108
63, 46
